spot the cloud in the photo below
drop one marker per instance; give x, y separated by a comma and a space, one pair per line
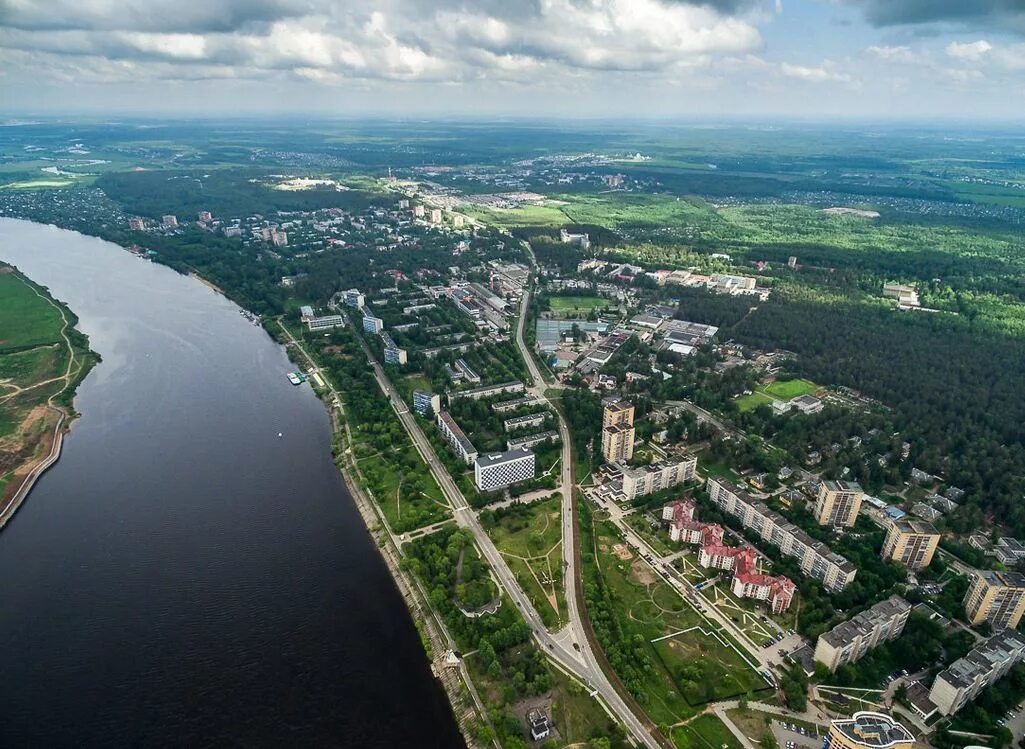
1003, 15
823, 73
893, 54
971, 51
328, 40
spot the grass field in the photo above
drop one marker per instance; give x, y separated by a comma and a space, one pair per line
530, 539
704, 732
26, 320
577, 304
781, 390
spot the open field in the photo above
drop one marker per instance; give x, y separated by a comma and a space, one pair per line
577, 304
779, 390
25, 319
704, 732
530, 539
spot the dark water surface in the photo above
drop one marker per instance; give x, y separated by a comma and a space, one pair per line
183, 576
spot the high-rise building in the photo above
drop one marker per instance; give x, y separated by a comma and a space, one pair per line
997, 598
838, 503
911, 542
373, 324
418, 211
136, 224
425, 402
205, 216
500, 470
435, 216
868, 730
851, 640
170, 221
617, 435
649, 479
967, 677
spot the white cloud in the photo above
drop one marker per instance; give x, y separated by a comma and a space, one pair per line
893, 53
970, 51
823, 73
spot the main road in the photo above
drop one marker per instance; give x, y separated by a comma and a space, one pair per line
569, 648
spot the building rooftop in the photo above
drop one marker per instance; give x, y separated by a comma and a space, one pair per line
914, 525
1003, 579
873, 730
842, 486
494, 459
983, 658
863, 623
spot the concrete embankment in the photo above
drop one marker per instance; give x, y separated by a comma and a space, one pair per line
11, 505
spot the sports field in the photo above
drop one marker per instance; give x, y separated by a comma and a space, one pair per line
577, 304
780, 390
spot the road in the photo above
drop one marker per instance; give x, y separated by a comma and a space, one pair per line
568, 647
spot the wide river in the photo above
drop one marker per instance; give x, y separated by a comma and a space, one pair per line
182, 576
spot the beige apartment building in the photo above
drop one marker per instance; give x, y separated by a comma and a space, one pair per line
911, 542
851, 640
997, 598
838, 503
617, 434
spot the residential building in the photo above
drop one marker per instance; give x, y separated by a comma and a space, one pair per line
354, 298
868, 730
306, 313
425, 402
512, 405
205, 216
418, 211
617, 436
279, 238
911, 542
325, 322
967, 677
522, 422
531, 440
467, 371
455, 436
815, 558
435, 216
136, 224
169, 221
393, 354
373, 324
643, 480
838, 503
497, 471
851, 640
486, 391
997, 598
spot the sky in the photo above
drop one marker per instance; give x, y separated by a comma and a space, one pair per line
802, 59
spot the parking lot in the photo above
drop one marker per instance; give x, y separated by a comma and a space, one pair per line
792, 736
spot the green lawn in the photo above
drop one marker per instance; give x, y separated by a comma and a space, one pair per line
530, 539
754, 400
704, 732
25, 318
785, 390
577, 304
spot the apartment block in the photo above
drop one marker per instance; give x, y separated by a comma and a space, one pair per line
850, 641
486, 391
638, 482
838, 503
617, 434
522, 422
997, 598
815, 558
491, 472
911, 542
373, 324
455, 436
967, 677
425, 402
868, 730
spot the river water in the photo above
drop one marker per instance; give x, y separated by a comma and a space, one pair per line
182, 576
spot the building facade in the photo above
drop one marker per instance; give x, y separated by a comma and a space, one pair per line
911, 542
617, 434
373, 324
326, 322
816, 559
643, 480
838, 503
453, 433
497, 471
997, 598
967, 677
850, 641
425, 402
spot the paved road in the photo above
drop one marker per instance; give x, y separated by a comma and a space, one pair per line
566, 647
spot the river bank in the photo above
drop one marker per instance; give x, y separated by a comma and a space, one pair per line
43, 358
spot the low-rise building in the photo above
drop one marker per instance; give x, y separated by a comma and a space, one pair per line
531, 440
815, 558
393, 354
997, 598
850, 641
455, 436
868, 730
911, 542
967, 677
487, 391
499, 470
354, 298
326, 322
522, 422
